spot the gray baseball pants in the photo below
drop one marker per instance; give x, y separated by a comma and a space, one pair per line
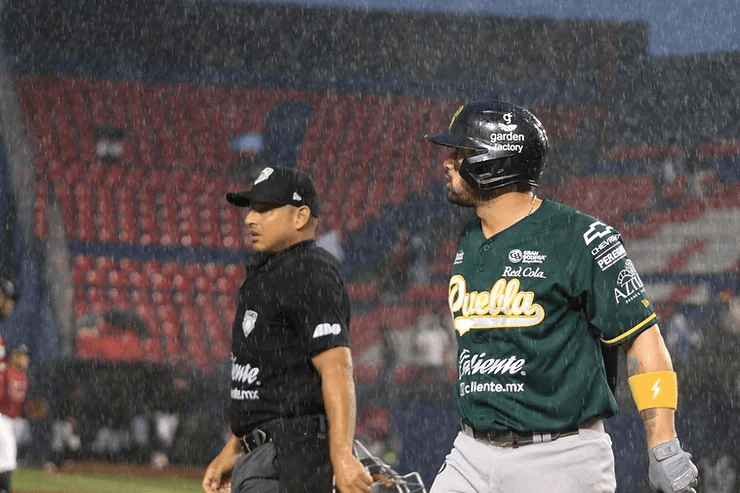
583, 462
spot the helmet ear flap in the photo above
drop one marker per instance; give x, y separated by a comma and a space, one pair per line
484, 173
477, 169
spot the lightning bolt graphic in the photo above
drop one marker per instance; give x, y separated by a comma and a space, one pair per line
656, 388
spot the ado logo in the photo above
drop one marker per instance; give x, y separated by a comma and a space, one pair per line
326, 329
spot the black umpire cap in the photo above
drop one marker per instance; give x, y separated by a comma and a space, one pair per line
279, 186
8, 289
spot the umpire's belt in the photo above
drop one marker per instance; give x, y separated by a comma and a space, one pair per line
312, 424
509, 438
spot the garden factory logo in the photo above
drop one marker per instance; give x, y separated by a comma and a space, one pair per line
504, 141
629, 284
508, 127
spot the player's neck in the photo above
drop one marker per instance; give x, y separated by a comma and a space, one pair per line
505, 210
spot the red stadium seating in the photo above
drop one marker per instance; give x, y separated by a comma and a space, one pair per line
608, 198
174, 130
175, 301
363, 149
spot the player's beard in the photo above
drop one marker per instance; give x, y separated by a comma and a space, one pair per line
463, 195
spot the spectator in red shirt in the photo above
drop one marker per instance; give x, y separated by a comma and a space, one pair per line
12, 396
8, 297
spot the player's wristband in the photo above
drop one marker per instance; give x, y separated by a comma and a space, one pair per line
654, 389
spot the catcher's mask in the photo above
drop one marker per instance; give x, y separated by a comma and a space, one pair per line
385, 479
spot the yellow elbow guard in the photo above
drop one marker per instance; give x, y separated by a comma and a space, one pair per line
654, 389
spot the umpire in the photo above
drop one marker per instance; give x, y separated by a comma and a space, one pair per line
292, 391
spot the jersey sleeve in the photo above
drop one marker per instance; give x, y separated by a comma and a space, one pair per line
3, 380
320, 311
617, 305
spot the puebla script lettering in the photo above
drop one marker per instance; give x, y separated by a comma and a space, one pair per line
501, 307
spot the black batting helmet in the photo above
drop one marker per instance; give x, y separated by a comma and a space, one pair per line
509, 143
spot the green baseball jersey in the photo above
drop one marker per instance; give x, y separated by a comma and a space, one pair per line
531, 306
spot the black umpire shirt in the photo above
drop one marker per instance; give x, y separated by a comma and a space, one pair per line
292, 306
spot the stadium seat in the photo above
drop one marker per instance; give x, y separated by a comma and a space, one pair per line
430, 292
220, 350
366, 373
405, 374
183, 299
138, 280
203, 284
116, 279
151, 351
95, 278
159, 282
140, 297
362, 291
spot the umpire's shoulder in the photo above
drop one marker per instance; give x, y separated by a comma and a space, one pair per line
317, 260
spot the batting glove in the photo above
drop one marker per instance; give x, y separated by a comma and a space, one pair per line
671, 469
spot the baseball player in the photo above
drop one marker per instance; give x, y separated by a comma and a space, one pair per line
292, 391
8, 450
12, 397
537, 289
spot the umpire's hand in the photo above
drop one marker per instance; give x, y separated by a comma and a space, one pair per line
671, 469
350, 475
217, 478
